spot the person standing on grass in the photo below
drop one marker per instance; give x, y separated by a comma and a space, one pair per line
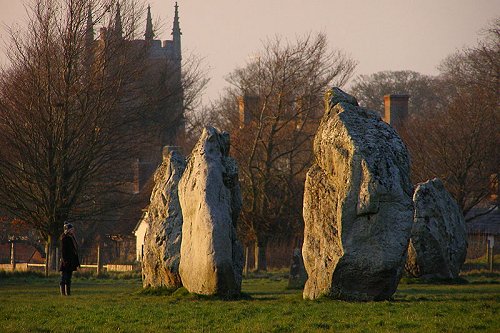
69, 258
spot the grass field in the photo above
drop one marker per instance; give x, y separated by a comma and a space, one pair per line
31, 304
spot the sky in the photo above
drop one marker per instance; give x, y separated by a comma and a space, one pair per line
379, 34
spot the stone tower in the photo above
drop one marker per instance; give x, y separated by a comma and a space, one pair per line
176, 34
118, 28
149, 34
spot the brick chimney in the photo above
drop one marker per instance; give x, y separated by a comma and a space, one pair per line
396, 109
247, 106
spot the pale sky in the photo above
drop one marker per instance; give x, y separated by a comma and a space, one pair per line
379, 34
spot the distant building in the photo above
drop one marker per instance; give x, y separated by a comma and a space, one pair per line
113, 234
140, 234
482, 230
160, 82
162, 122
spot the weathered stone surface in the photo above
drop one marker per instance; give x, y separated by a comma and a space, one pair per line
438, 243
209, 192
357, 205
162, 243
336, 95
298, 274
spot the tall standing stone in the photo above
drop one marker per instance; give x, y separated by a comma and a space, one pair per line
357, 205
209, 192
438, 243
162, 243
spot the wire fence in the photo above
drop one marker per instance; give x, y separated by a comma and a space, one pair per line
24, 257
123, 256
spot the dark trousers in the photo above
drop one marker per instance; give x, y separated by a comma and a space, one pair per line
66, 277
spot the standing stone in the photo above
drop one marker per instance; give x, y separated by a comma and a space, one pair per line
357, 205
209, 193
162, 242
298, 274
438, 243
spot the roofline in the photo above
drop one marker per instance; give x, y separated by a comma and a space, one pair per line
144, 211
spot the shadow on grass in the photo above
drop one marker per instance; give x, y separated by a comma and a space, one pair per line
433, 281
23, 275
471, 287
436, 299
440, 293
183, 293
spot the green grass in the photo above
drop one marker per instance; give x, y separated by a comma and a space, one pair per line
32, 304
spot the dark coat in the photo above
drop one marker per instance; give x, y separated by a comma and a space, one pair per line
69, 254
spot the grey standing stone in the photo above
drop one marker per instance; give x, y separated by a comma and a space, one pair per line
357, 205
209, 192
162, 242
438, 244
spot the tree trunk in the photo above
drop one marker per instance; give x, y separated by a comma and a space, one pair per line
260, 255
245, 269
47, 256
53, 254
13, 255
50, 255
99, 259
57, 256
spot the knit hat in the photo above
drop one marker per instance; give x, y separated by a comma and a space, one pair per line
67, 226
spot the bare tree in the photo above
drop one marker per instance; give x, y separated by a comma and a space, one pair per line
73, 110
286, 81
370, 89
460, 141
458, 145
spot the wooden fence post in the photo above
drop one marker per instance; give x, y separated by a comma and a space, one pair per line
491, 244
57, 259
99, 264
47, 248
13, 255
245, 271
